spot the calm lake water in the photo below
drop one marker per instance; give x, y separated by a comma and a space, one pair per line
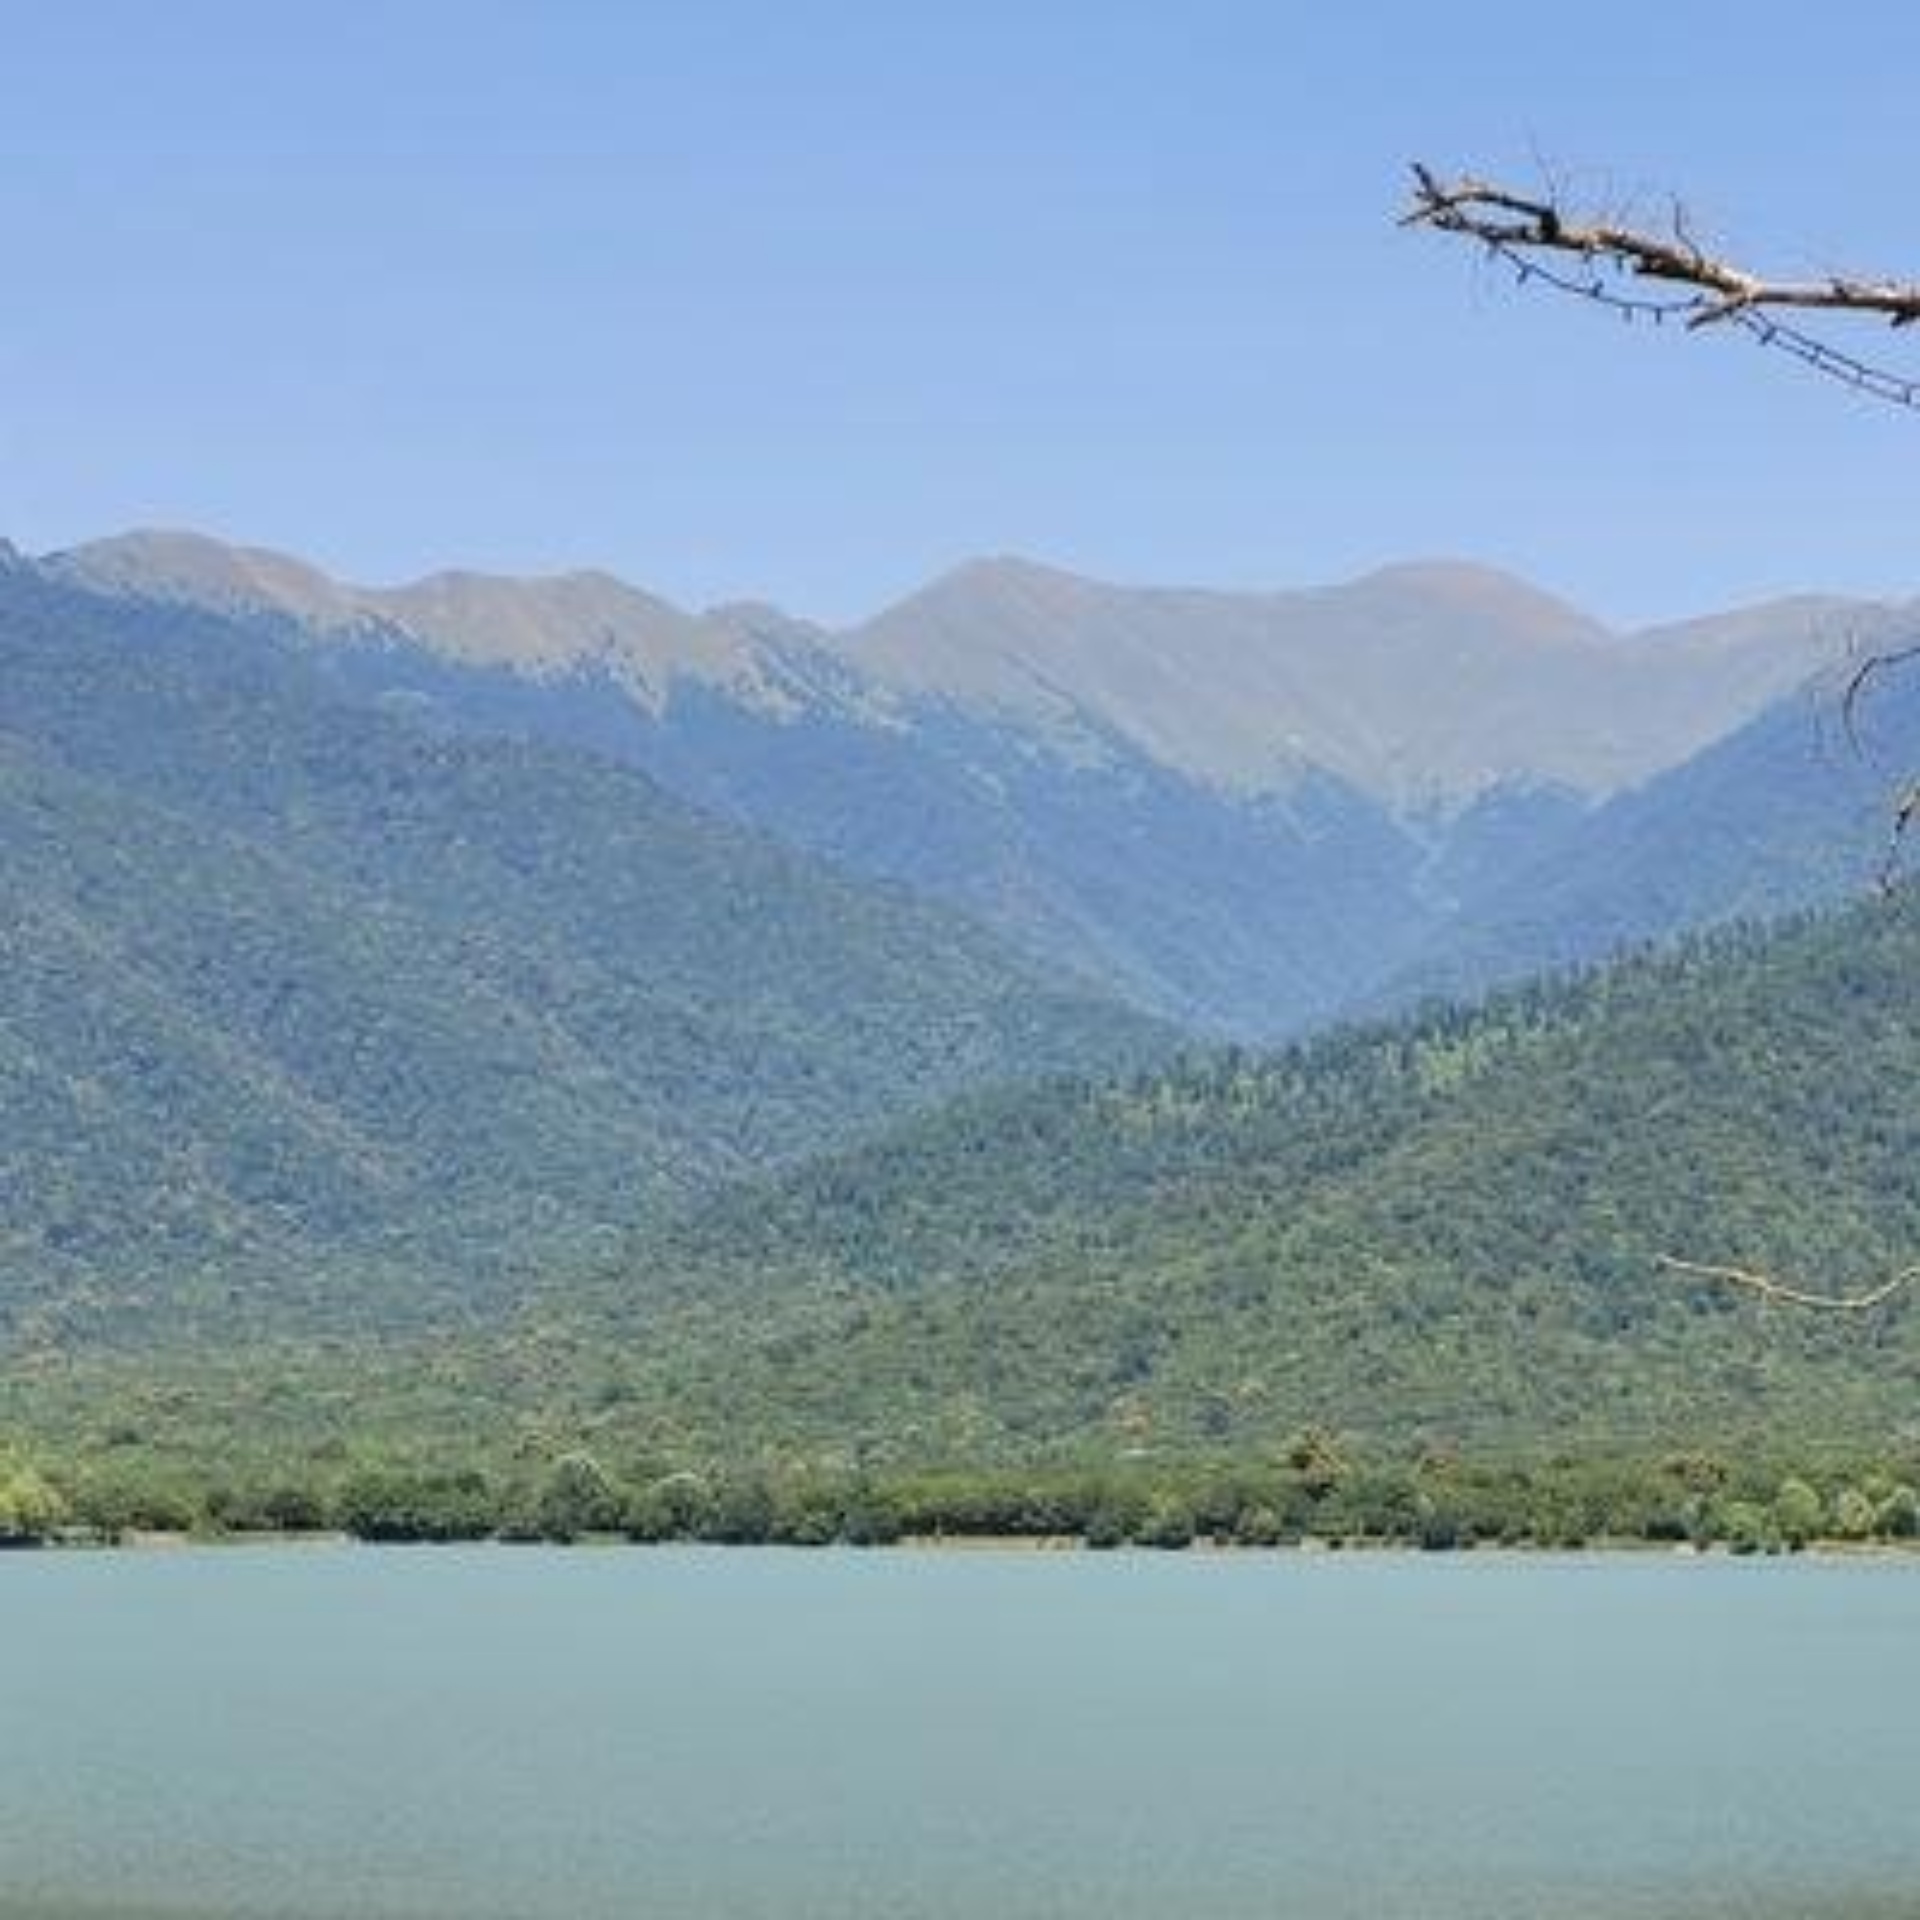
737, 1736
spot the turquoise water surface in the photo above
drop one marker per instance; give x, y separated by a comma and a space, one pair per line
732, 1735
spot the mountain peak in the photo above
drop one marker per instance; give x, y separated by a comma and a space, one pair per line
536, 624
1476, 590
173, 563
990, 579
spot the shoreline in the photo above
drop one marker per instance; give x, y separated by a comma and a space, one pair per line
155, 1543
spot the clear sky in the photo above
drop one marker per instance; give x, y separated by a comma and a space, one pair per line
807, 301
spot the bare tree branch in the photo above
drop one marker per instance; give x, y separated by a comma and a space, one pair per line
1642, 273
1867, 669
1905, 807
1768, 1288
1516, 221
1905, 812
1530, 229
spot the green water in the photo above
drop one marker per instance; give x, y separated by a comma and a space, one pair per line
732, 1735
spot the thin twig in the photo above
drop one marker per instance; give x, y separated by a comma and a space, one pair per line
1769, 1288
1869, 669
1906, 811
1906, 803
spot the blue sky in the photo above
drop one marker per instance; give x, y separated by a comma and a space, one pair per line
807, 301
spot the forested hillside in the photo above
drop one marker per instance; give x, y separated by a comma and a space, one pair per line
304, 1007
1434, 1237
1449, 1227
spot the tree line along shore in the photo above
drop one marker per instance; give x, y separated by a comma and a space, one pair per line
1315, 1491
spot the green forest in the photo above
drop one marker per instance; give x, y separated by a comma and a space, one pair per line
1401, 1283
1308, 1491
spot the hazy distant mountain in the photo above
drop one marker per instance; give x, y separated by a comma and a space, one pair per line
547, 628
1417, 684
337, 981
301, 1001
1248, 811
1790, 811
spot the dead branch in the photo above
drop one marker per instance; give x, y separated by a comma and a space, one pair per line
1905, 812
1867, 669
1769, 1288
1700, 289
1641, 273
1516, 222
1905, 807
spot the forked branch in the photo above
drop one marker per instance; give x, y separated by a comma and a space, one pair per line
1769, 1288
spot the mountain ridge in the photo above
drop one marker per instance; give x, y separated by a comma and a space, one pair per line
1054, 649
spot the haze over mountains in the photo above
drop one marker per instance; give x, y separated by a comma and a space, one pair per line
1248, 812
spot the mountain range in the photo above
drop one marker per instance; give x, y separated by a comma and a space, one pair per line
371, 952
1247, 813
